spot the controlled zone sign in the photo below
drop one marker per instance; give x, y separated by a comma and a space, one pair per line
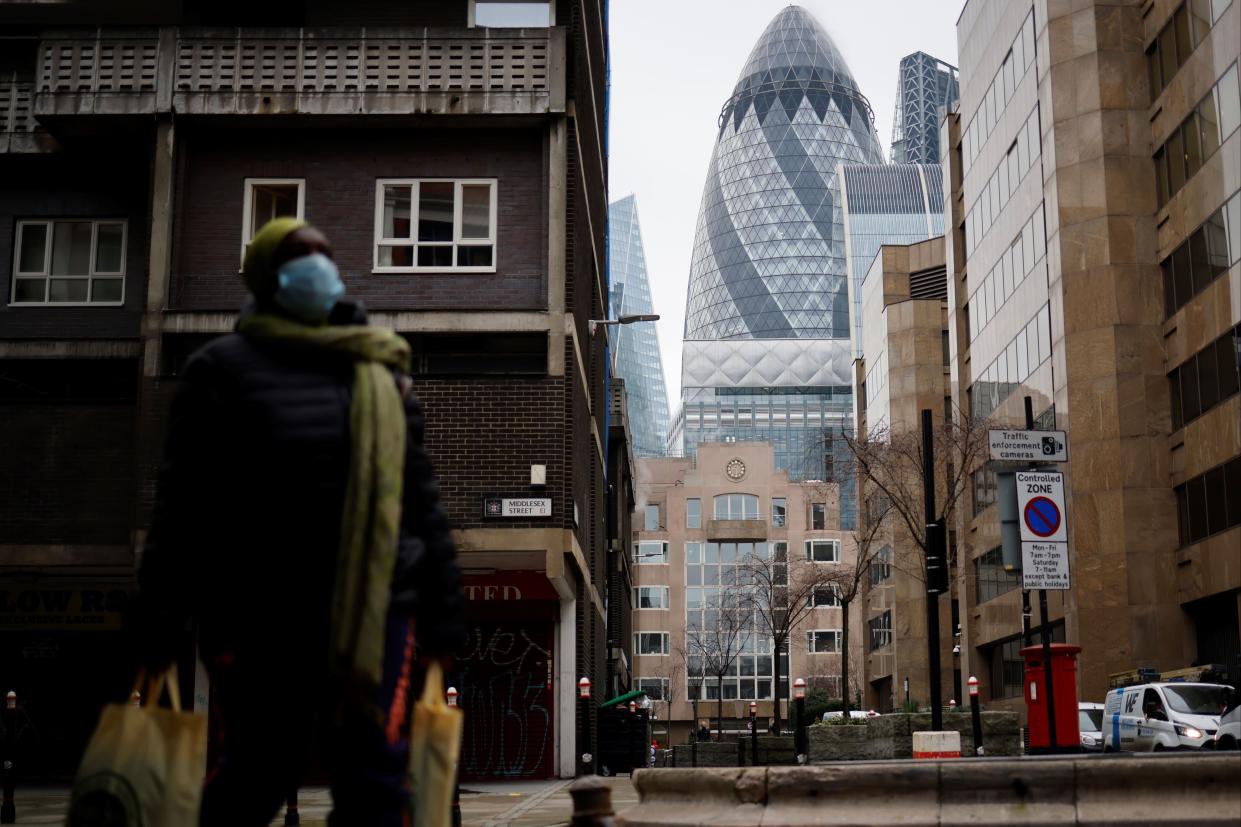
1044, 537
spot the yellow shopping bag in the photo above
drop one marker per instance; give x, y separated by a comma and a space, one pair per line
434, 744
144, 765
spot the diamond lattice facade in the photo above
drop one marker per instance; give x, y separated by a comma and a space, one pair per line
925, 88
636, 345
768, 272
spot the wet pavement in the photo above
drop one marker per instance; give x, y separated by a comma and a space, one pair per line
496, 804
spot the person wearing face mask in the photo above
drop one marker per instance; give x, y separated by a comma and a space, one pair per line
298, 534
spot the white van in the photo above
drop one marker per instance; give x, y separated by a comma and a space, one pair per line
1162, 716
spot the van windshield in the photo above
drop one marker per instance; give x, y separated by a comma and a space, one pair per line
1090, 720
1197, 700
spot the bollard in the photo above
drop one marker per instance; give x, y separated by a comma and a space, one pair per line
592, 802
799, 734
135, 698
753, 734
587, 758
452, 694
8, 809
975, 716
291, 816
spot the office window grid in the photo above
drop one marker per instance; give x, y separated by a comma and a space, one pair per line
1177, 40
879, 630
1209, 503
1204, 380
1022, 156
991, 579
1015, 263
1197, 137
1203, 257
1028, 349
1012, 69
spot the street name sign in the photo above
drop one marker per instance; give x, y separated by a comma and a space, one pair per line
1028, 446
525, 507
1044, 536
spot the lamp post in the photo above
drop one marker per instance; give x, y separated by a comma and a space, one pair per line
583, 694
799, 698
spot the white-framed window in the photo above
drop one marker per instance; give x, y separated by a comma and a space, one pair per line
823, 551
425, 225
650, 552
736, 507
779, 511
651, 517
693, 513
512, 14
268, 198
650, 643
823, 641
823, 597
650, 597
655, 688
73, 261
818, 516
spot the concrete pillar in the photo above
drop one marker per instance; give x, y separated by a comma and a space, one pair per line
566, 689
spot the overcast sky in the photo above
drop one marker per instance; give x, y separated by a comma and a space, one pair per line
674, 63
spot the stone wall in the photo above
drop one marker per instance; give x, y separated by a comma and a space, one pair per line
891, 736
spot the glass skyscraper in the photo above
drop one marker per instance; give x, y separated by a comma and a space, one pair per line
636, 346
925, 87
766, 353
886, 204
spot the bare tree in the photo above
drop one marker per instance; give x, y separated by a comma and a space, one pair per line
781, 593
848, 580
888, 463
718, 640
691, 663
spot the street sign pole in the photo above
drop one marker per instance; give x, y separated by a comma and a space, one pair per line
1044, 625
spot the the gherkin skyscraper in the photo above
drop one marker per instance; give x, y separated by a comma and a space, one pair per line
766, 353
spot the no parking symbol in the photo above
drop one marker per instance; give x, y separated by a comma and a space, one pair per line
1044, 538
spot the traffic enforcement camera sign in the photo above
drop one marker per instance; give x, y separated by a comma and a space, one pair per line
1044, 538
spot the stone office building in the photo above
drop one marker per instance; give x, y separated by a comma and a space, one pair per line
698, 521
454, 154
1094, 169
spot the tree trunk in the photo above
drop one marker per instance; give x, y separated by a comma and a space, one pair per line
775, 690
719, 706
844, 659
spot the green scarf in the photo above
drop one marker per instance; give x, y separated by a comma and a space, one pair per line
370, 524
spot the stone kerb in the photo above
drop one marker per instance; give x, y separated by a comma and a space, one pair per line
1195, 789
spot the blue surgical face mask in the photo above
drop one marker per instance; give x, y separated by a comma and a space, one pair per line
309, 287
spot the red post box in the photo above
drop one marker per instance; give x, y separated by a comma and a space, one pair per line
1064, 677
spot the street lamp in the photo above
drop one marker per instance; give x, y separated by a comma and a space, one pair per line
641, 317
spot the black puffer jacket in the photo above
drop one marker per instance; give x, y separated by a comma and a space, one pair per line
246, 528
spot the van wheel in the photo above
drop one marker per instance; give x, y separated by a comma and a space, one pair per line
1108, 748
1158, 748
1226, 744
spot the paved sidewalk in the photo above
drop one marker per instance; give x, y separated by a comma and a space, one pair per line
494, 804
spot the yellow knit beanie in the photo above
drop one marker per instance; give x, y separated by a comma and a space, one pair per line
256, 268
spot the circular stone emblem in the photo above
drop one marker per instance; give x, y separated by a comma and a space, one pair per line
735, 469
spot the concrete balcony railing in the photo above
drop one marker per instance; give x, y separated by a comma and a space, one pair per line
19, 131
302, 71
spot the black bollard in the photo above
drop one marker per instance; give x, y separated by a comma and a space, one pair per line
291, 816
753, 734
592, 802
975, 716
8, 809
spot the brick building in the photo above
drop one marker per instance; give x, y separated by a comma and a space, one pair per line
454, 154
